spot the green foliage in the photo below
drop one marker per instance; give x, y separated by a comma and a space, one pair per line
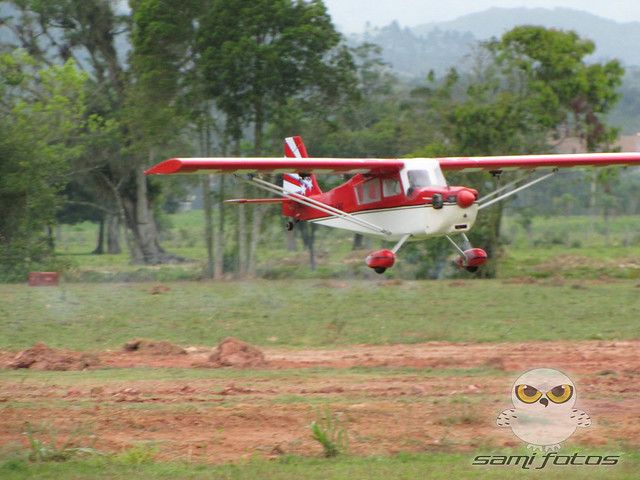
256, 56
574, 94
278, 66
51, 450
44, 111
140, 454
534, 86
327, 432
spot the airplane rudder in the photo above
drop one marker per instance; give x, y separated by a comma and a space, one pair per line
294, 148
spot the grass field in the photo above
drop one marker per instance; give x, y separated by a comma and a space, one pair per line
417, 370
402, 466
313, 313
574, 247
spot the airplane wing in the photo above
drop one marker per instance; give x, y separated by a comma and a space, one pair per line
532, 162
243, 165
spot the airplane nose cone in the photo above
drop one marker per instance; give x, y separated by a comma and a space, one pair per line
465, 198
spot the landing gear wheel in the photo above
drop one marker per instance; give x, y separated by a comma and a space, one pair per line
289, 225
379, 270
472, 269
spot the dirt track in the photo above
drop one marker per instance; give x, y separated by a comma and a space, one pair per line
384, 410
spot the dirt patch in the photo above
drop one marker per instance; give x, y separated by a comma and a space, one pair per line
153, 347
157, 289
436, 396
232, 352
43, 357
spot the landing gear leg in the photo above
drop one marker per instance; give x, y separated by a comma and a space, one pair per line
400, 243
466, 244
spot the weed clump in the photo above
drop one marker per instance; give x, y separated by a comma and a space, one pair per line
326, 430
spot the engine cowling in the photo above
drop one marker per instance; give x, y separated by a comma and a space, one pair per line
380, 260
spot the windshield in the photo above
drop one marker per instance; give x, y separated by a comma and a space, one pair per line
425, 178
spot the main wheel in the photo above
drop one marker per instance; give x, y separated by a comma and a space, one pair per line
472, 269
380, 270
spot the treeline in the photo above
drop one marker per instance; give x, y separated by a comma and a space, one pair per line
83, 116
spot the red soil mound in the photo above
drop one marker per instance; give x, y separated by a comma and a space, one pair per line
43, 357
232, 352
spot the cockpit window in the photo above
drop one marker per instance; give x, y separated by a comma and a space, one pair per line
418, 178
391, 187
369, 191
425, 178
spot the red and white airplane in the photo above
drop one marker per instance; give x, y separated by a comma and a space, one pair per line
399, 200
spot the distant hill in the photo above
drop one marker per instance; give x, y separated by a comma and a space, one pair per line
438, 46
612, 39
413, 52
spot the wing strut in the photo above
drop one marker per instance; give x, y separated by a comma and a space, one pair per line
483, 201
310, 202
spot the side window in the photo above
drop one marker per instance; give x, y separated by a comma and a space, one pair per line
419, 178
391, 187
369, 191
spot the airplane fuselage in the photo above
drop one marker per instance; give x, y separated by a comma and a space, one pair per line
415, 201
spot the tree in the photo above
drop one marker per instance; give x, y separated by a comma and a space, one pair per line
88, 31
43, 116
255, 56
256, 60
574, 95
531, 87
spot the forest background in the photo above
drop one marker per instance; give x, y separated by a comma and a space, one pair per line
94, 92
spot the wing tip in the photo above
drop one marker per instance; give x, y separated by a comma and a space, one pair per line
168, 166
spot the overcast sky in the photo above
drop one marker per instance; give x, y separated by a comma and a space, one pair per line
352, 15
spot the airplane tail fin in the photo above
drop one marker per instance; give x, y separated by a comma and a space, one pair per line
293, 182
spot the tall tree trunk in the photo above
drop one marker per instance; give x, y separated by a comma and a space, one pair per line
258, 136
592, 204
357, 241
113, 234
307, 230
290, 237
145, 248
256, 224
218, 233
205, 184
242, 234
99, 250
